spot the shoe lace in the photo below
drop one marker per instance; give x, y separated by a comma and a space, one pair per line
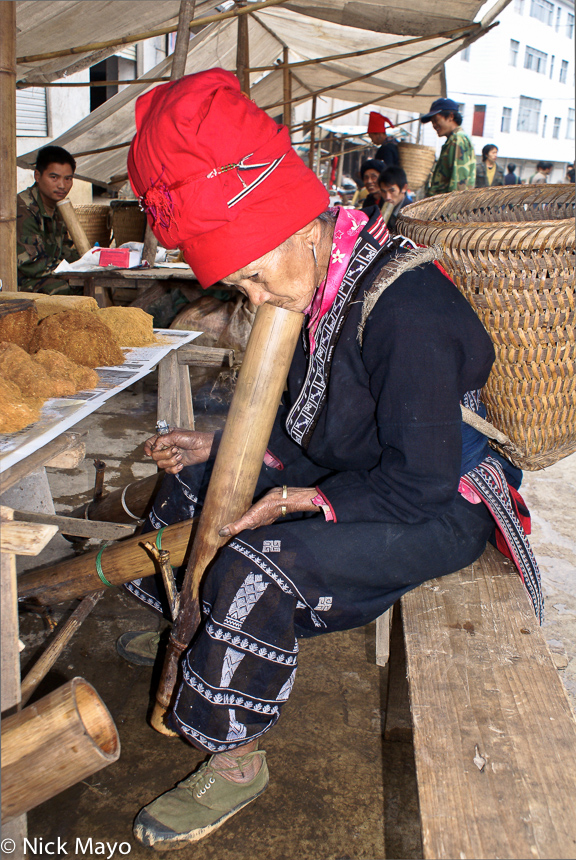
207, 774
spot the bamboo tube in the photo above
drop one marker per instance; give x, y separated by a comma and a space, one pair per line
64, 634
120, 563
8, 266
74, 226
149, 34
252, 412
122, 506
53, 744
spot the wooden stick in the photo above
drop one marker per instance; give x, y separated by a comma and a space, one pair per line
64, 634
78, 527
180, 54
53, 744
252, 412
24, 85
243, 53
162, 559
74, 226
311, 151
287, 88
8, 265
149, 34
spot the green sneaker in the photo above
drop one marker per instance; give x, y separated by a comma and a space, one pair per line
139, 648
197, 806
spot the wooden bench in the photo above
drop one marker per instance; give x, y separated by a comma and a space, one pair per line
494, 735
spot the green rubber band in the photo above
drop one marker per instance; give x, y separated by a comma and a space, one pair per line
99, 570
159, 538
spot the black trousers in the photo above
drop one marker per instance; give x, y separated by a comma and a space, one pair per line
299, 577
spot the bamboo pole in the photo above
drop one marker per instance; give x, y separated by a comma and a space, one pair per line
122, 506
287, 88
243, 53
8, 265
464, 31
24, 85
311, 150
62, 637
119, 563
340, 168
74, 226
252, 412
149, 34
53, 744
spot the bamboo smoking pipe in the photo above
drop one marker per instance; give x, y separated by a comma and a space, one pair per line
238, 462
74, 226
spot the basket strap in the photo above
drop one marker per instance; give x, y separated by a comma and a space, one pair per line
487, 429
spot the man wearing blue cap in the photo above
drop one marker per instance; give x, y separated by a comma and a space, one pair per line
455, 169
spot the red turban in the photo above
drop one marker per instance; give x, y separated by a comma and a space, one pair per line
216, 175
377, 123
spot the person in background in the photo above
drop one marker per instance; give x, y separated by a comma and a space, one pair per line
455, 169
543, 170
489, 173
570, 173
370, 171
394, 190
387, 147
511, 178
42, 238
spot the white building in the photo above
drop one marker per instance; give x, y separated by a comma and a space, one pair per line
516, 86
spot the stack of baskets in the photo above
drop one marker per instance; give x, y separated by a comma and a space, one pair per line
95, 220
511, 252
417, 162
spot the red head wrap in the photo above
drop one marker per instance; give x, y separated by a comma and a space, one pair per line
377, 123
216, 175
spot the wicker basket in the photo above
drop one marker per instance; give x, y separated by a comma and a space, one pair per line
128, 221
511, 252
417, 162
95, 219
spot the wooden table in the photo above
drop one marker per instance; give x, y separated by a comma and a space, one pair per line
100, 284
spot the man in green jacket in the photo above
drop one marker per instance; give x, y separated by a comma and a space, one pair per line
455, 169
41, 233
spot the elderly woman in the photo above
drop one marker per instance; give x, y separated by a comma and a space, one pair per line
360, 496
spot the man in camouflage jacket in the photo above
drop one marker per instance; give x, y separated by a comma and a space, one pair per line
42, 238
455, 169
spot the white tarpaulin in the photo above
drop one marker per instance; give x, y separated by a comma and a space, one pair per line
411, 85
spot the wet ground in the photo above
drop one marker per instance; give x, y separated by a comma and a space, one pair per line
338, 789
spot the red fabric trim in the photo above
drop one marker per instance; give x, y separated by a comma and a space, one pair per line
332, 517
272, 461
523, 515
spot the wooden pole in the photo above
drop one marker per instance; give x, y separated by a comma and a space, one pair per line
252, 412
311, 149
53, 744
8, 266
340, 168
287, 83
149, 34
243, 52
74, 226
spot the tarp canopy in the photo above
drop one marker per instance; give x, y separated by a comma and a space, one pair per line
411, 85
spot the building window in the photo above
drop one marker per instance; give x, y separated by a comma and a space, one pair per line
519, 6
552, 58
544, 122
529, 115
478, 120
506, 120
535, 60
570, 124
465, 54
556, 129
543, 10
564, 72
570, 26
514, 48
558, 17
31, 113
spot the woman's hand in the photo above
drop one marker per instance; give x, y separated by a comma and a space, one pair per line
269, 509
179, 448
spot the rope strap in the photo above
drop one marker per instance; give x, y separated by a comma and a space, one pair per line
99, 570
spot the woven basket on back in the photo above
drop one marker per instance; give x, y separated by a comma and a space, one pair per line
95, 219
417, 162
128, 221
510, 251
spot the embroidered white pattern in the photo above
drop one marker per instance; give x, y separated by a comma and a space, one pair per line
271, 546
246, 599
231, 661
237, 731
324, 604
287, 688
250, 646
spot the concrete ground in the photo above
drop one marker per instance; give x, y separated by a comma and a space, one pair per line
338, 789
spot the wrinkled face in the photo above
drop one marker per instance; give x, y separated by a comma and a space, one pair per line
377, 137
442, 125
492, 155
286, 277
393, 194
371, 182
54, 183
